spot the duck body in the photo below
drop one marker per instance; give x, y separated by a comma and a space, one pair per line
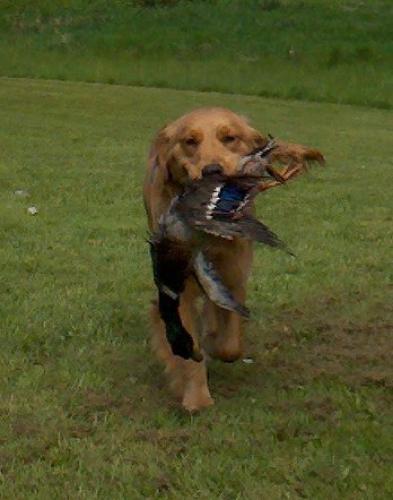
222, 206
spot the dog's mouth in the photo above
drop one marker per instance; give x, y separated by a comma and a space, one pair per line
249, 166
266, 174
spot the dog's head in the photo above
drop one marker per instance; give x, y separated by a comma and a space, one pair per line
205, 137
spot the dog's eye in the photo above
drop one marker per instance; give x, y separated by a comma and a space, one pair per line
228, 139
191, 141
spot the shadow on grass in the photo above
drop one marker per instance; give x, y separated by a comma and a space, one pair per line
300, 347
312, 344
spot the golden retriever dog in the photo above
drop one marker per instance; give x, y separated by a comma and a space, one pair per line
179, 153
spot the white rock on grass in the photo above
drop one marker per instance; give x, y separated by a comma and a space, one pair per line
22, 193
32, 210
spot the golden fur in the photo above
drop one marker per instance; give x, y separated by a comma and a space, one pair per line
178, 154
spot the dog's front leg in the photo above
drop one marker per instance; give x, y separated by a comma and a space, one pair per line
188, 379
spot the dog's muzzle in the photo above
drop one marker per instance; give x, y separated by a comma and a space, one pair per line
213, 168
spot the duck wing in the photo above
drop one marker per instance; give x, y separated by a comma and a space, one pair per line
214, 288
247, 228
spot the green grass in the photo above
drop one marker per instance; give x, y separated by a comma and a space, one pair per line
320, 50
84, 409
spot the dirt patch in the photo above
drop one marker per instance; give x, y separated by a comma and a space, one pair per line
174, 442
25, 427
322, 409
357, 355
303, 346
163, 484
92, 403
164, 437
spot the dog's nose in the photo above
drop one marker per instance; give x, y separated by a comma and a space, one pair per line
213, 168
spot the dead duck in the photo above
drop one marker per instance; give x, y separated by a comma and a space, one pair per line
219, 206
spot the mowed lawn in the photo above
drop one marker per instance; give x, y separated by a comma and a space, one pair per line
84, 408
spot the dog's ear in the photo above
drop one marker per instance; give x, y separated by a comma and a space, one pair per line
255, 138
156, 180
159, 154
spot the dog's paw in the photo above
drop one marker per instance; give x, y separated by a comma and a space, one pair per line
194, 402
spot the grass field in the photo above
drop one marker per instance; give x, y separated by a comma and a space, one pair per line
84, 409
321, 50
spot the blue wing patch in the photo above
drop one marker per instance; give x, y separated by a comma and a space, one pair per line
231, 197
